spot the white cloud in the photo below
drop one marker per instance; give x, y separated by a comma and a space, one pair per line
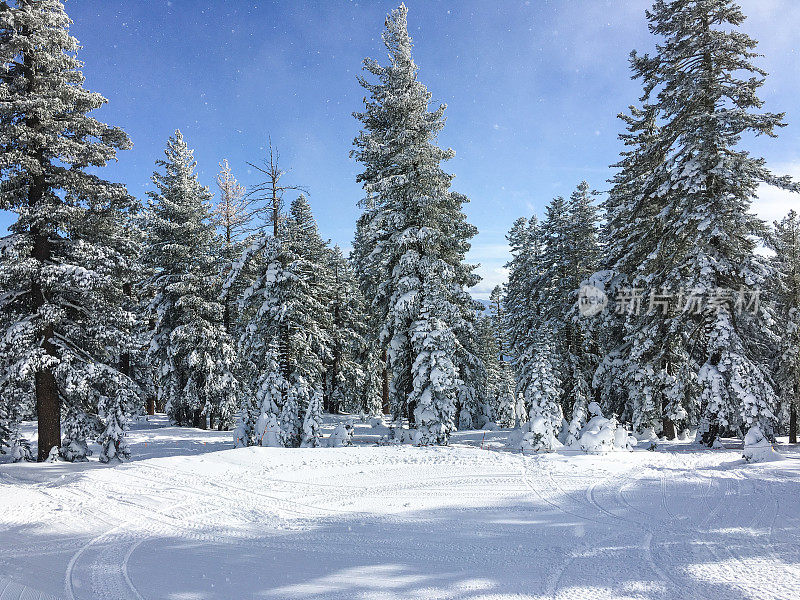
492, 258
492, 276
772, 203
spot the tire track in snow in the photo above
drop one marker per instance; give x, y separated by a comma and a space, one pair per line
648, 545
109, 584
553, 582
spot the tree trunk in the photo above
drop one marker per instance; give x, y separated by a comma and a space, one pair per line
48, 410
387, 409
668, 428
792, 423
710, 436
151, 405
226, 316
48, 407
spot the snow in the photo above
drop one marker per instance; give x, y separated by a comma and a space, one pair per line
191, 518
757, 448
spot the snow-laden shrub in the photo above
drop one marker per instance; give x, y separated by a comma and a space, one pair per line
78, 427
506, 407
18, 447
598, 435
114, 419
399, 435
54, 455
376, 422
21, 450
623, 440
520, 412
603, 435
757, 447
575, 426
648, 434
342, 435
540, 436
268, 431
312, 423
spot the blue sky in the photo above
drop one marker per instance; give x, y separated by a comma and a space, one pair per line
532, 88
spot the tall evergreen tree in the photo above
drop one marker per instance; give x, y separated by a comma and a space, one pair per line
504, 404
287, 338
351, 382
785, 241
702, 85
361, 258
414, 237
550, 262
543, 393
523, 312
193, 353
233, 216
64, 324
629, 210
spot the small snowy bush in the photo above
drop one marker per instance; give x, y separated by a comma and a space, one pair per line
603, 435
54, 455
342, 435
268, 431
540, 436
312, 423
757, 448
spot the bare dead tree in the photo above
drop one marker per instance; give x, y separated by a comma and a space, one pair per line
267, 196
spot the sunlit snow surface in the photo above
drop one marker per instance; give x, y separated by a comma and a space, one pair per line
190, 519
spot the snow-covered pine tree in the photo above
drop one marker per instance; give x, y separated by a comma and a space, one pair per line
523, 313
17, 401
503, 401
435, 376
65, 324
193, 354
114, 243
285, 310
785, 242
375, 353
413, 235
702, 83
489, 353
628, 211
312, 422
262, 411
543, 394
351, 382
233, 216
581, 351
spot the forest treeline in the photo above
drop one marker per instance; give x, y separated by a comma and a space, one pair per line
666, 304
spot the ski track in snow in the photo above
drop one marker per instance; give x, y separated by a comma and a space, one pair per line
370, 523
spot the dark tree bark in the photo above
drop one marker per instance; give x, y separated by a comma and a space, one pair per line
387, 409
48, 409
668, 428
792, 423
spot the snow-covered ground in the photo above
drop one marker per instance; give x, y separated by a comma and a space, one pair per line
189, 519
